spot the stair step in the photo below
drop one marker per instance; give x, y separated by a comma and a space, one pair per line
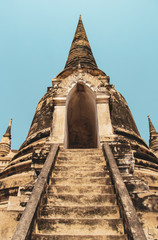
90, 163
81, 162
73, 168
78, 237
83, 181
79, 150
80, 212
78, 189
81, 226
81, 158
86, 152
80, 174
81, 155
81, 199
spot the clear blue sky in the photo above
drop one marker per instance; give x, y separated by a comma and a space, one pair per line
35, 38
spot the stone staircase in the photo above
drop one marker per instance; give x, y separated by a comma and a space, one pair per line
80, 203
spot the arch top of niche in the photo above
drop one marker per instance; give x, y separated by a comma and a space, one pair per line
81, 81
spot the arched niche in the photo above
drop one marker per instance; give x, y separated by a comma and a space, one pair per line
81, 118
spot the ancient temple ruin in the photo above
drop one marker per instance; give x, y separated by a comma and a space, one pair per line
83, 172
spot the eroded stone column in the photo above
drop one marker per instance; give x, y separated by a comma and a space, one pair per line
58, 123
104, 120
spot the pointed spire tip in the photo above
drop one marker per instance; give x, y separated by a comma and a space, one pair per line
80, 51
8, 131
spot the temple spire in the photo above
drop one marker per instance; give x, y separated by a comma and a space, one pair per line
80, 51
8, 131
153, 141
5, 143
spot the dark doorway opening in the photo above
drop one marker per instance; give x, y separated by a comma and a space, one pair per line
82, 130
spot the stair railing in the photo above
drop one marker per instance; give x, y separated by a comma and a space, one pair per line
128, 212
26, 223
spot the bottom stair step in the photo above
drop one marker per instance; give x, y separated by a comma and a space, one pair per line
78, 237
80, 226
